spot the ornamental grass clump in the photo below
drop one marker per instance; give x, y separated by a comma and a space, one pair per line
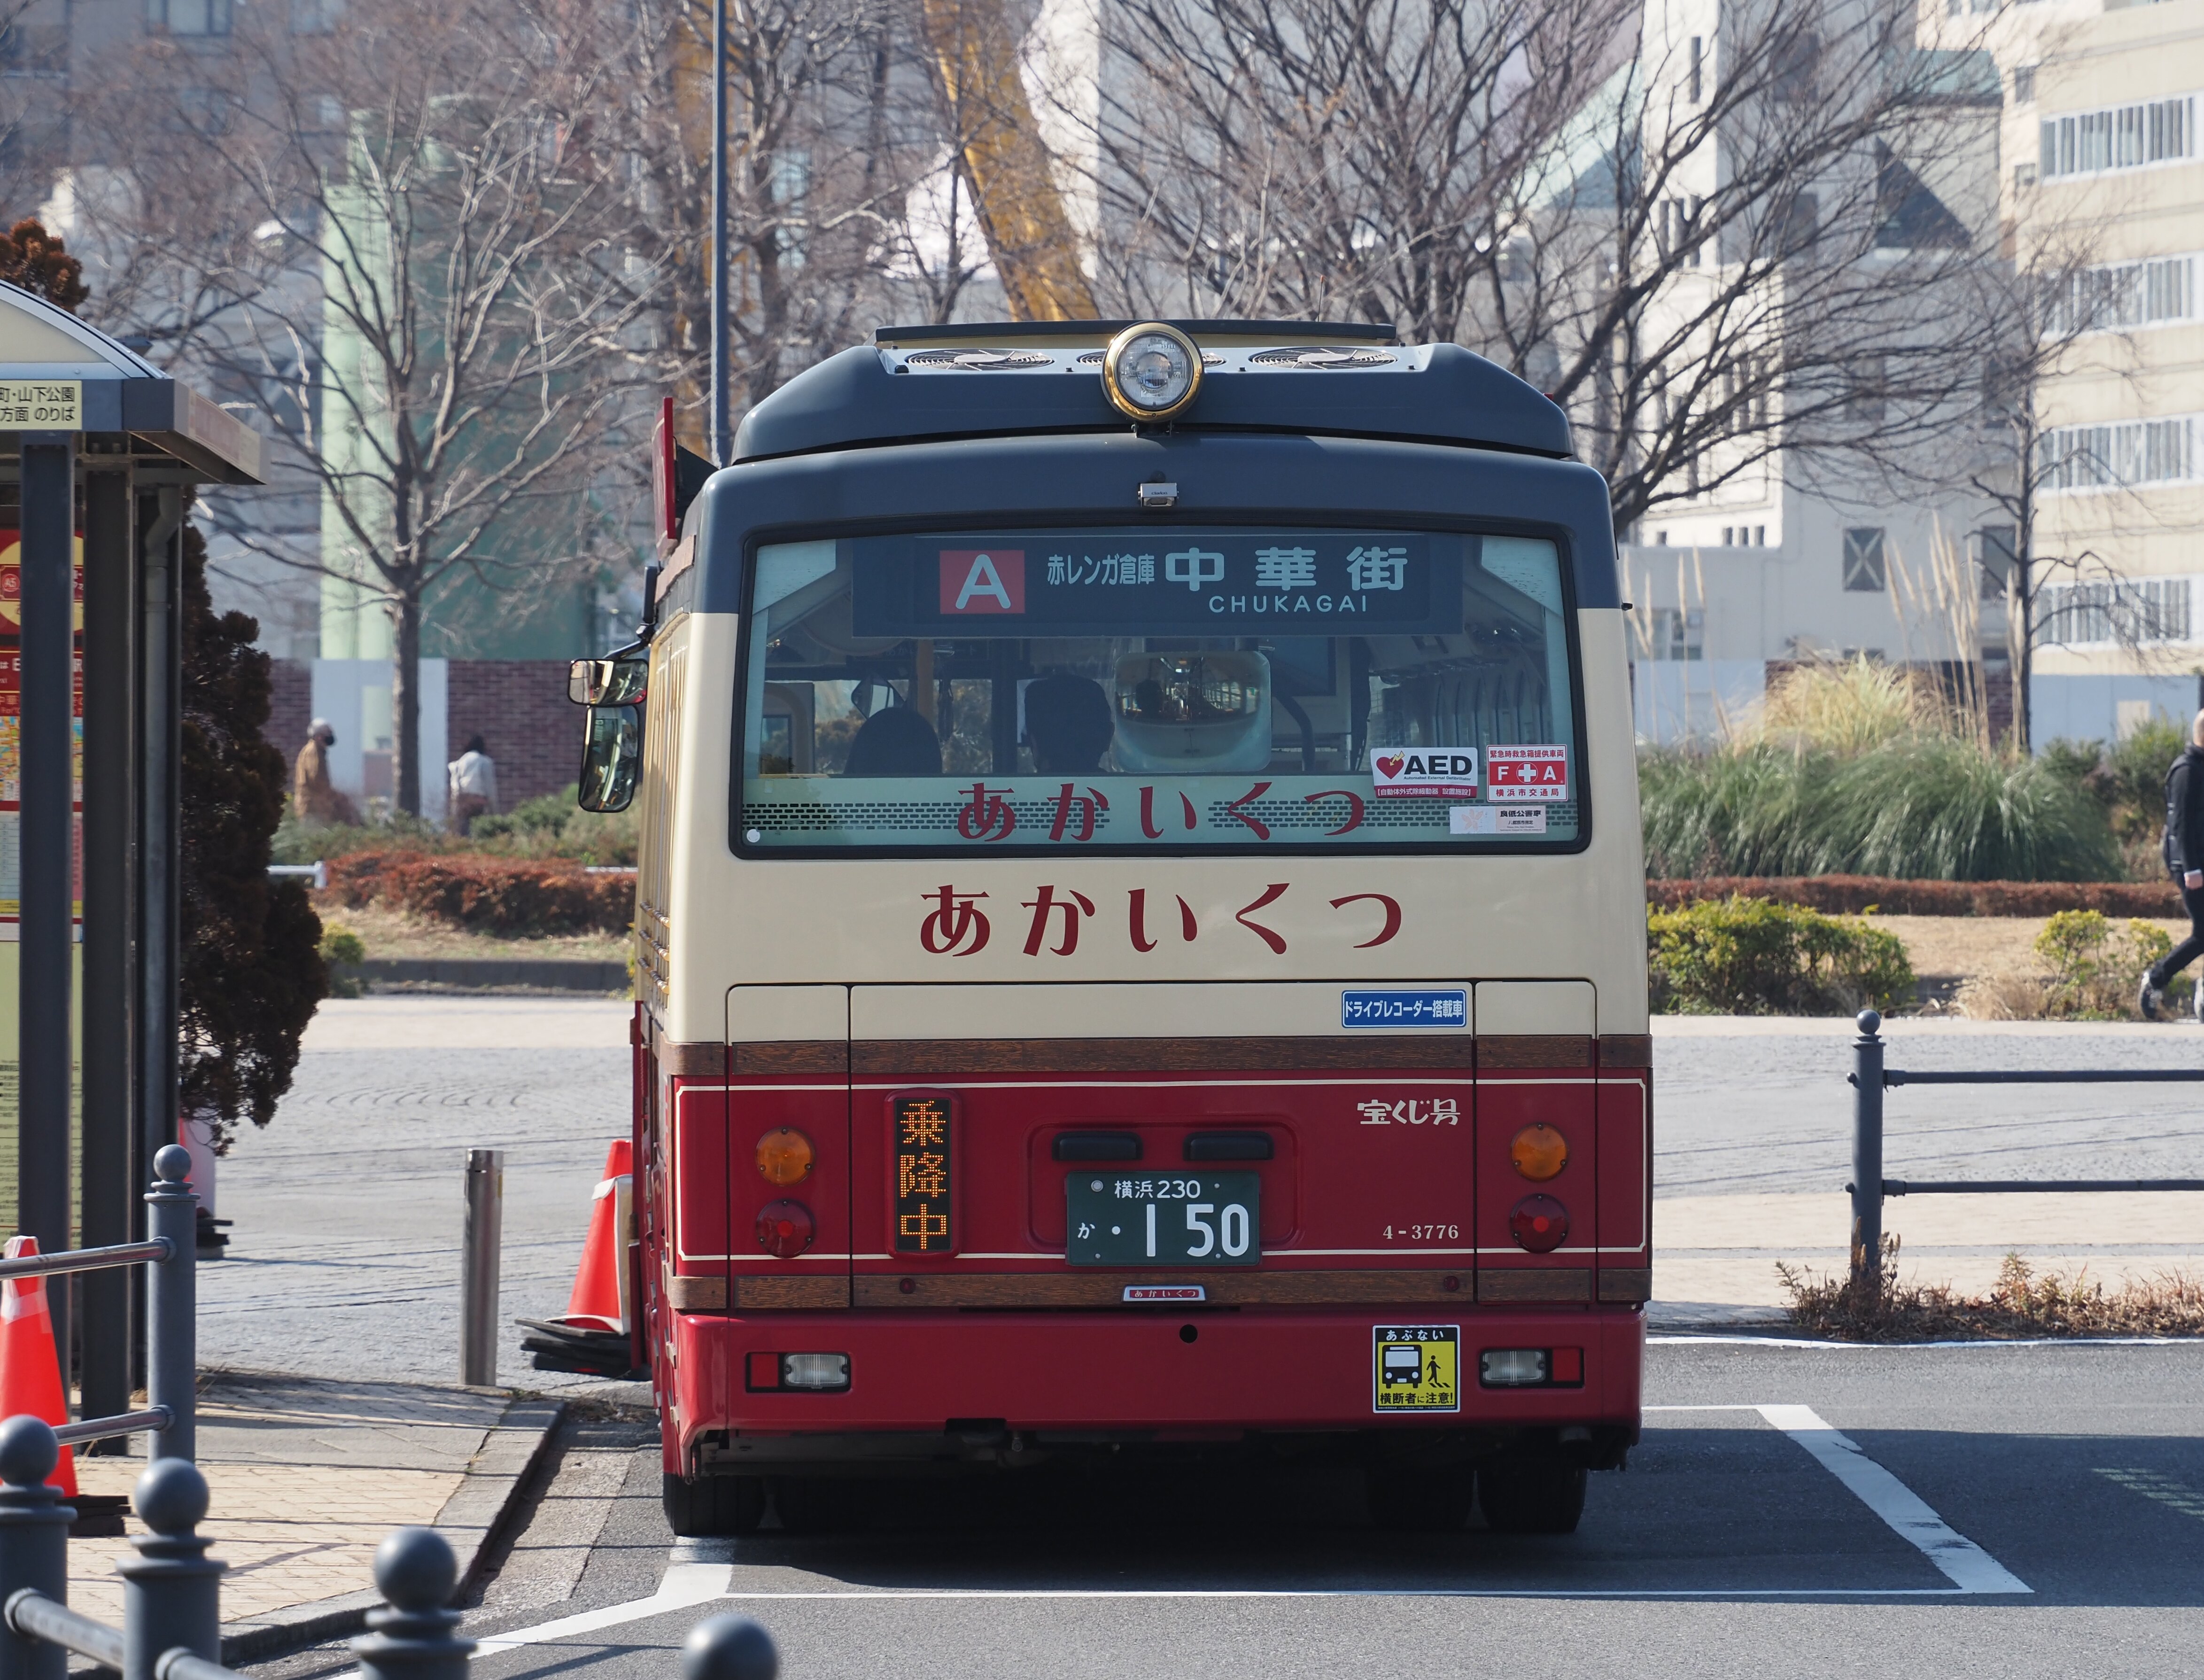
1857, 769
1740, 956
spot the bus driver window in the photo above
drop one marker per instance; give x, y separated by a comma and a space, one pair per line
1315, 688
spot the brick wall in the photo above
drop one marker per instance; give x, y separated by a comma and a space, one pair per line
520, 708
290, 705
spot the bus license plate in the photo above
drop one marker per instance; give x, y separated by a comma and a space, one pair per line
1212, 1219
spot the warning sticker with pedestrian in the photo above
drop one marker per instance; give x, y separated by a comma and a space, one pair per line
1417, 1368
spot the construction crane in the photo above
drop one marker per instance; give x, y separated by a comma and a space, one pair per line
1005, 162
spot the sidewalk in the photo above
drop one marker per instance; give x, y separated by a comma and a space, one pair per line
1715, 1256
305, 1477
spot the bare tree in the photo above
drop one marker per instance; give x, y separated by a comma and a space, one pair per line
1709, 249
410, 249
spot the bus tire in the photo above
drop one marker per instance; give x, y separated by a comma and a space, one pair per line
1420, 1501
713, 1506
1532, 1493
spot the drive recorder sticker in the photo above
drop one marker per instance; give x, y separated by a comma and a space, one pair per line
1526, 772
1448, 774
1418, 1368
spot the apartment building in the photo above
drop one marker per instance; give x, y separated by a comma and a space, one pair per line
2105, 173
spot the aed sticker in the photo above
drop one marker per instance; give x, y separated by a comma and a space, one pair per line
1450, 774
1496, 820
1526, 772
1418, 1368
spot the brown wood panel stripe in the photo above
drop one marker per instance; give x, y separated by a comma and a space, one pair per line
696, 1295
1561, 1050
1628, 1283
811, 1294
1154, 1055
1625, 1049
827, 1055
1107, 1289
1553, 1284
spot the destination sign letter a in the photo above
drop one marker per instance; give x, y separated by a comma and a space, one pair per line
983, 580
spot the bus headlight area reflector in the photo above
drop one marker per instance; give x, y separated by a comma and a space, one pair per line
785, 1156
1539, 1224
785, 1229
819, 1373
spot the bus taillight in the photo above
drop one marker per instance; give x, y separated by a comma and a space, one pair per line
785, 1229
1539, 1223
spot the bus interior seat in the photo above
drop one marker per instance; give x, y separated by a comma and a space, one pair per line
1068, 724
894, 742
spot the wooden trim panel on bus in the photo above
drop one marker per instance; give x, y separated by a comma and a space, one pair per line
1143, 1055
1107, 1289
1553, 1284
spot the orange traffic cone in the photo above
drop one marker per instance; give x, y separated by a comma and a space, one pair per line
599, 1298
30, 1363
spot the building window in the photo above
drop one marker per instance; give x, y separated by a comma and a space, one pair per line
1865, 571
2124, 137
2153, 611
1698, 69
2023, 85
1678, 634
2118, 456
314, 17
1993, 558
2119, 295
188, 17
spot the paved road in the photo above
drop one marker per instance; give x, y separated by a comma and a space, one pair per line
1729, 1548
347, 1208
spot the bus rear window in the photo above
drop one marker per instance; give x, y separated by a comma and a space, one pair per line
1148, 688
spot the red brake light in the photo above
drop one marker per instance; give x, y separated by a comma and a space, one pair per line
1539, 1223
785, 1229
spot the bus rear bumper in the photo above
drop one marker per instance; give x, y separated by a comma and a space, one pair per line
1014, 1388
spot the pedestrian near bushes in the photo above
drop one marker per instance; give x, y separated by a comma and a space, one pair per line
473, 785
314, 802
2184, 850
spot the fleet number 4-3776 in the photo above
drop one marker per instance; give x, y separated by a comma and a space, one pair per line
1422, 1233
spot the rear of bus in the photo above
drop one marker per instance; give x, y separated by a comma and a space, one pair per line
1140, 932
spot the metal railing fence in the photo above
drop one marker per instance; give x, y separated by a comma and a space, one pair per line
1869, 1078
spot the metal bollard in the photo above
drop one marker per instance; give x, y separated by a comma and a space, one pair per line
172, 1365
34, 1541
413, 1639
171, 1590
478, 1267
1867, 1147
729, 1647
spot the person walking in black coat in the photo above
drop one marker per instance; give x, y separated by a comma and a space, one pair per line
2183, 848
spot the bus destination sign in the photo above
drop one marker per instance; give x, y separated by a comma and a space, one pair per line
1157, 583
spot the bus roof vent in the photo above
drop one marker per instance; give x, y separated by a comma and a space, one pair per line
981, 361
1321, 356
1093, 357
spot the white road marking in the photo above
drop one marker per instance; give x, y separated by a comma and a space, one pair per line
1969, 1568
683, 1587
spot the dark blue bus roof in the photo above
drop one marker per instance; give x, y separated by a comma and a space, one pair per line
1433, 435
1311, 378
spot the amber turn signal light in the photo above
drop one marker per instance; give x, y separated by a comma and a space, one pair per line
1539, 1152
1539, 1224
783, 1155
785, 1229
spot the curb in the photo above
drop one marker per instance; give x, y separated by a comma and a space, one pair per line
473, 1520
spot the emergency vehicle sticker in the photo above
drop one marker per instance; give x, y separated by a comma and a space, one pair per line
1527, 773
1397, 773
1417, 1368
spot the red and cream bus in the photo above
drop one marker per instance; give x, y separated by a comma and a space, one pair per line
1141, 926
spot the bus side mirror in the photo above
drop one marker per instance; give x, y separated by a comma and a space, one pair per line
608, 682
612, 756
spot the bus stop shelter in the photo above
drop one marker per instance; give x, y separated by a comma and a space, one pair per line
98, 449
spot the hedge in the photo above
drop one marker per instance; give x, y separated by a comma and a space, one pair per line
1850, 894
508, 896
